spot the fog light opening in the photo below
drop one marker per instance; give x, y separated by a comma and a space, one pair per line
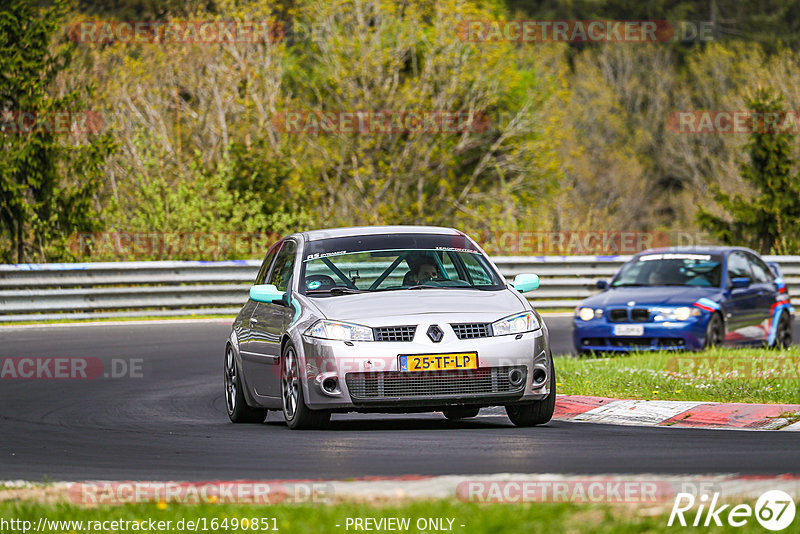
539, 377
516, 377
330, 384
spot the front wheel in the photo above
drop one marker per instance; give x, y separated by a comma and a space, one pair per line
715, 331
238, 410
783, 336
537, 412
297, 414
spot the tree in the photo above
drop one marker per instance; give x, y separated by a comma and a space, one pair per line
768, 221
50, 177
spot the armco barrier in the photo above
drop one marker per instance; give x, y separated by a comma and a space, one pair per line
85, 290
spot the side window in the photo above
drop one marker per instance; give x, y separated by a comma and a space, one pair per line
262, 272
284, 265
761, 272
738, 266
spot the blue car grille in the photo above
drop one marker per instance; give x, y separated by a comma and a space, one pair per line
626, 315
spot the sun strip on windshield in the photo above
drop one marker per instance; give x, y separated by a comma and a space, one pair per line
323, 255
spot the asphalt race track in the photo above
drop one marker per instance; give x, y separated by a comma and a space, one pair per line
170, 423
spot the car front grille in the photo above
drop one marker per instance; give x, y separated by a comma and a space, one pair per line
432, 384
395, 333
623, 315
623, 342
471, 330
618, 315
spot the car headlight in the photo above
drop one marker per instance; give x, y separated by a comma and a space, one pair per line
516, 324
587, 314
681, 313
339, 331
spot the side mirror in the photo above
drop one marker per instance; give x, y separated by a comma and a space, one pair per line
737, 283
602, 284
525, 282
267, 293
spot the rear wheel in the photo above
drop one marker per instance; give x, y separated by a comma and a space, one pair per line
537, 412
238, 410
461, 413
715, 331
297, 414
783, 337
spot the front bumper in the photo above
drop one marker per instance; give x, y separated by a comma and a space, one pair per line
368, 377
598, 335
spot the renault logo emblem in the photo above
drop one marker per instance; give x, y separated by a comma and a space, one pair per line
435, 333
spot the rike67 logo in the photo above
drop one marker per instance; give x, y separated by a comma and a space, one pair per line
774, 510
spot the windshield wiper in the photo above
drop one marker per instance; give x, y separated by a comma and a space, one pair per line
631, 284
335, 291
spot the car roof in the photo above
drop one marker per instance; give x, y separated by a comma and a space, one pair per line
316, 235
704, 249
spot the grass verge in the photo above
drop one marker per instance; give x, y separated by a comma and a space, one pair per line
756, 375
308, 519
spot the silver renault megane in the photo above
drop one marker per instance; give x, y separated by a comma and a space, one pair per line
386, 319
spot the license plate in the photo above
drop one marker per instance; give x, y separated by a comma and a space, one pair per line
629, 330
439, 362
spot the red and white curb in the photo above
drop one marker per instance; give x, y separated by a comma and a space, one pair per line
683, 414
504, 487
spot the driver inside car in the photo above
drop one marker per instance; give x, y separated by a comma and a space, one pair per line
422, 270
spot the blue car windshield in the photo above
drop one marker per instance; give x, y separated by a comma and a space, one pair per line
671, 269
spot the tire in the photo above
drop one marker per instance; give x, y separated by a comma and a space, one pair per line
537, 412
783, 337
235, 403
298, 416
462, 412
715, 331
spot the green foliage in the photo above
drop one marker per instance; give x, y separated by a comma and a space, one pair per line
48, 184
768, 217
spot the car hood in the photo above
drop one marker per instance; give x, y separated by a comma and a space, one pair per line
491, 304
651, 296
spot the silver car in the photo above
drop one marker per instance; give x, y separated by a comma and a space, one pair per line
386, 319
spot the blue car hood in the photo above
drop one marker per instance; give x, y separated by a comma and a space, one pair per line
652, 296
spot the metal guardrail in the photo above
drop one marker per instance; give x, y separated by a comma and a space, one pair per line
47, 291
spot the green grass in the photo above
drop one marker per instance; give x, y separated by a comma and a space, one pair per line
757, 375
309, 519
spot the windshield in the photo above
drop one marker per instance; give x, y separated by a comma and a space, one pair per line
337, 266
671, 269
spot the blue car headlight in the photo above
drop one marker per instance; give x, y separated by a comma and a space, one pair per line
516, 324
681, 313
587, 314
339, 331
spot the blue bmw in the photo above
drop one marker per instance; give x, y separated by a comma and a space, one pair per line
687, 298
